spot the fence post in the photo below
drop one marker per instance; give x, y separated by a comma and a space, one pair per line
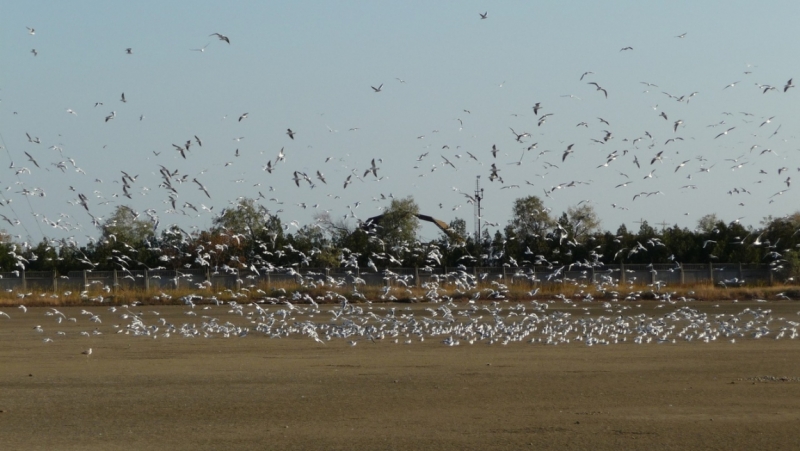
711, 272
115, 282
622, 272
239, 280
416, 275
85, 281
24, 282
741, 275
504, 275
55, 281
146, 281
683, 276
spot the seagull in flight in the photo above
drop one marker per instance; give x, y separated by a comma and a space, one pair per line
290, 133
599, 88
724, 133
519, 136
567, 152
221, 37
483, 16
373, 169
378, 89
203, 49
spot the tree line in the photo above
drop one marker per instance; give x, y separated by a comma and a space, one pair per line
249, 237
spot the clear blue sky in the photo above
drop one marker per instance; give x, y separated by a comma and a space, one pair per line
309, 66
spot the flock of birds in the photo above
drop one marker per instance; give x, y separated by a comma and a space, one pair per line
635, 159
488, 319
638, 160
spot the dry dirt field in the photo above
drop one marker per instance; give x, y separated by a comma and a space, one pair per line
258, 392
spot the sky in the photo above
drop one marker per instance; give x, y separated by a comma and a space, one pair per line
452, 86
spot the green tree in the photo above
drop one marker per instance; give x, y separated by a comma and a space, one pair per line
125, 226
707, 223
583, 221
124, 240
529, 218
399, 223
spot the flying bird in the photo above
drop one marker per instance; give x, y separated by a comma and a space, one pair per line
373, 169
724, 133
30, 158
483, 16
378, 89
567, 152
599, 88
290, 133
221, 37
518, 135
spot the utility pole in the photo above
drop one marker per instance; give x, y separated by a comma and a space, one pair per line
478, 198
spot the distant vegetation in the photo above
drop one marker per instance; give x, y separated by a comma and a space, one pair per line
250, 237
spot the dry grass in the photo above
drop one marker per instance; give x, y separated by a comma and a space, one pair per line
329, 293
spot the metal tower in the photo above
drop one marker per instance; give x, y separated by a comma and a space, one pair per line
478, 198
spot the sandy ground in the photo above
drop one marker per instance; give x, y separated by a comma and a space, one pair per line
292, 393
